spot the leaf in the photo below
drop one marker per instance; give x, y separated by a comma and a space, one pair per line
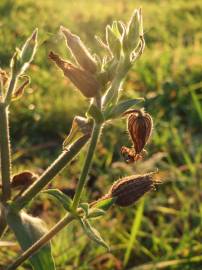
95, 113
92, 233
85, 207
95, 212
115, 29
105, 203
28, 230
113, 41
65, 200
121, 107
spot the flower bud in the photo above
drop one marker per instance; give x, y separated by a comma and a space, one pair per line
80, 126
79, 51
23, 179
133, 31
29, 49
82, 79
130, 189
140, 126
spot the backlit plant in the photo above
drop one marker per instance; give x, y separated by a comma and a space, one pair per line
100, 80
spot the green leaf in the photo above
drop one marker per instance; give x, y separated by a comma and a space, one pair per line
121, 107
85, 207
95, 213
115, 29
92, 233
113, 41
95, 113
104, 204
28, 230
134, 30
65, 200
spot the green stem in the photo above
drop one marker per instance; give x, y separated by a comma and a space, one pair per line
11, 88
5, 153
51, 172
42, 241
87, 164
3, 223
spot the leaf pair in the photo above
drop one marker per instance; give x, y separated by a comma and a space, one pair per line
83, 218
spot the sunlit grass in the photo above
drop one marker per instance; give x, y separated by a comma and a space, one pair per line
169, 76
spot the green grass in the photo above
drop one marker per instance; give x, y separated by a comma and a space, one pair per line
169, 76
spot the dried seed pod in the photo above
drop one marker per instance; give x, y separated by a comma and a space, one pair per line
20, 90
79, 51
140, 126
23, 179
82, 79
129, 189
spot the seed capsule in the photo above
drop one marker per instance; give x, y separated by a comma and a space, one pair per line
23, 179
130, 189
140, 126
82, 79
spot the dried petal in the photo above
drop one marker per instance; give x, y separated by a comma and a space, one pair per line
82, 79
3, 76
20, 90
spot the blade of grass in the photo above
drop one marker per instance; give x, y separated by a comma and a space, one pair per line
165, 264
134, 231
181, 146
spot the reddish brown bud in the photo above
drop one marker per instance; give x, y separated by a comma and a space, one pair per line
140, 126
23, 179
129, 189
82, 79
79, 51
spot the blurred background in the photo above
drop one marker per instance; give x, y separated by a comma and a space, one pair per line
164, 230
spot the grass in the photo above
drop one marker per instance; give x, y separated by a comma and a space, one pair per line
168, 75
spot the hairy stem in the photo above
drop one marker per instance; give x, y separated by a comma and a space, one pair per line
42, 241
87, 164
3, 223
51, 172
11, 88
5, 153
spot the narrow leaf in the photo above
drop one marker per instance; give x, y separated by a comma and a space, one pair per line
65, 200
92, 233
121, 107
95, 212
85, 207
